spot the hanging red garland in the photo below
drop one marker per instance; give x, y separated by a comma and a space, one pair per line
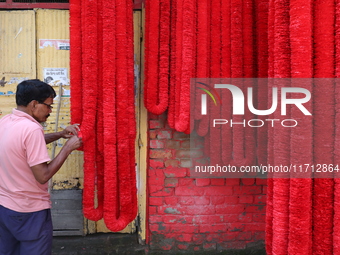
109, 161
76, 56
157, 56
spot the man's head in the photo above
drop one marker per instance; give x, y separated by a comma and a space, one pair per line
36, 98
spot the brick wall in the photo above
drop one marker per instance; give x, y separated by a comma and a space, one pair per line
197, 214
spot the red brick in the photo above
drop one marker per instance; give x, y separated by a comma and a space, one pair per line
229, 209
209, 246
217, 181
248, 181
152, 210
164, 134
184, 238
189, 191
259, 217
250, 190
163, 193
217, 200
213, 228
180, 135
232, 181
171, 163
231, 200
230, 218
155, 201
258, 226
246, 199
155, 188
261, 181
229, 236
178, 228
259, 236
159, 153
208, 219
246, 217
171, 182
261, 199
154, 163
159, 228
185, 163
169, 209
186, 200
218, 190
175, 172
198, 210
153, 124
202, 182
183, 246
171, 200
264, 190
188, 153
155, 219
255, 208
171, 144
198, 239
202, 200
244, 236
152, 134
186, 182
156, 144
185, 144
213, 237
156, 180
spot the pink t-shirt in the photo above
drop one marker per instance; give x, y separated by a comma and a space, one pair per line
22, 145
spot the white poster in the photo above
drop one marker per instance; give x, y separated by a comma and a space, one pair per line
55, 76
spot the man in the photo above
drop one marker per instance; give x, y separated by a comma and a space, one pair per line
25, 168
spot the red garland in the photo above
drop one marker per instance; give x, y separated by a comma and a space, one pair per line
323, 125
157, 57
117, 214
270, 157
173, 57
75, 60
300, 204
336, 228
90, 104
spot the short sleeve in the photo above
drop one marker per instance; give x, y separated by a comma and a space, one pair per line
36, 150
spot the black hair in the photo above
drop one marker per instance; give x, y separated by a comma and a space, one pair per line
33, 90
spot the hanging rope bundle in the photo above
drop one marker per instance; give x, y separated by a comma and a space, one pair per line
103, 102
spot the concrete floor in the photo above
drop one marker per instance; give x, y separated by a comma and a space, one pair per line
125, 244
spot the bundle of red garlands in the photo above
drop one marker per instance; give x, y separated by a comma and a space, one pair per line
259, 38
102, 100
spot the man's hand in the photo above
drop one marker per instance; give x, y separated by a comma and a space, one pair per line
70, 131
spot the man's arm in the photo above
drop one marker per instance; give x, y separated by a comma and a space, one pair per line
66, 133
44, 171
